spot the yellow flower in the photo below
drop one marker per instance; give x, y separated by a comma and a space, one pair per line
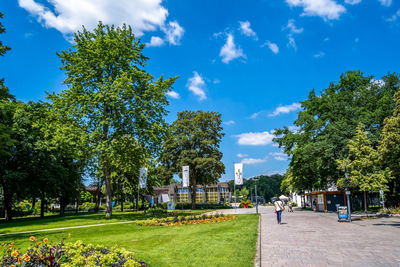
19, 259
32, 238
27, 258
69, 235
39, 243
12, 265
12, 243
45, 240
9, 246
15, 253
42, 257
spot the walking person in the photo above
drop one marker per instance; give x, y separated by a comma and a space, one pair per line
278, 208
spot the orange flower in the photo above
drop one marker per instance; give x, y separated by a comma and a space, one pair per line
69, 235
9, 246
39, 243
27, 258
12, 265
15, 253
19, 259
32, 238
12, 243
25, 255
45, 240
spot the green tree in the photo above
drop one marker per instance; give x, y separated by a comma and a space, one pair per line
328, 121
389, 150
363, 166
111, 96
194, 141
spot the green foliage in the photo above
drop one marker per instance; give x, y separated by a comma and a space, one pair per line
328, 121
85, 196
194, 141
244, 192
389, 150
41, 253
113, 110
362, 163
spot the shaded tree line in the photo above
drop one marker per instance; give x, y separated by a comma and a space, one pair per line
351, 125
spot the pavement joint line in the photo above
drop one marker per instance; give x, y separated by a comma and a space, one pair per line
65, 228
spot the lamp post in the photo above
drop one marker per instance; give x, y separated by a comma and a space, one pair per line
348, 196
255, 192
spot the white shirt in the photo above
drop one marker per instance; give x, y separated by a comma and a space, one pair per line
277, 207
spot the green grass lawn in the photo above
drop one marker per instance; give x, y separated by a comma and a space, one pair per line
231, 243
54, 221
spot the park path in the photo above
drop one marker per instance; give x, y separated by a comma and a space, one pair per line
64, 228
307, 238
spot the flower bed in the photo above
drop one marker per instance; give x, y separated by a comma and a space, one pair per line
395, 211
182, 220
41, 253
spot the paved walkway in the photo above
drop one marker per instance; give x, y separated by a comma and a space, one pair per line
307, 238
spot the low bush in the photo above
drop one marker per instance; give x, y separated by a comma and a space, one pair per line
41, 253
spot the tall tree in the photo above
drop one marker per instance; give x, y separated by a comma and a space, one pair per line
328, 121
363, 166
389, 150
110, 95
194, 141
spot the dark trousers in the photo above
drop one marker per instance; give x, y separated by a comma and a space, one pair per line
279, 216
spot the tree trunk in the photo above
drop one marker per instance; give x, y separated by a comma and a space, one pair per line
42, 202
108, 194
76, 204
33, 202
122, 203
7, 205
96, 207
365, 202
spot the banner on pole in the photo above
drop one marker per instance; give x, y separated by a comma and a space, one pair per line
143, 178
238, 173
185, 176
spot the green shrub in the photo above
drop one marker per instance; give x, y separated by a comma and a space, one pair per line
87, 206
19, 209
41, 253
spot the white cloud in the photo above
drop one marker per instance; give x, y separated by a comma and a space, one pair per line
285, 109
326, 9
291, 43
256, 114
196, 84
174, 32
229, 51
352, 2
255, 139
242, 155
279, 155
292, 31
273, 47
294, 128
269, 173
292, 28
378, 82
246, 30
230, 122
173, 94
319, 54
252, 161
155, 41
394, 17
68, 16
386, 3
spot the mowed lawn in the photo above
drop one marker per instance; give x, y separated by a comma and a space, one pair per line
230, 243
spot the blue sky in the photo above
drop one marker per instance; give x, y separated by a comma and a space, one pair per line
252, 61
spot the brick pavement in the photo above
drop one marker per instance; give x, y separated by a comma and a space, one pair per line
306, 238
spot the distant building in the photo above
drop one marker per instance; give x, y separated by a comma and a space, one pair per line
213, 193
